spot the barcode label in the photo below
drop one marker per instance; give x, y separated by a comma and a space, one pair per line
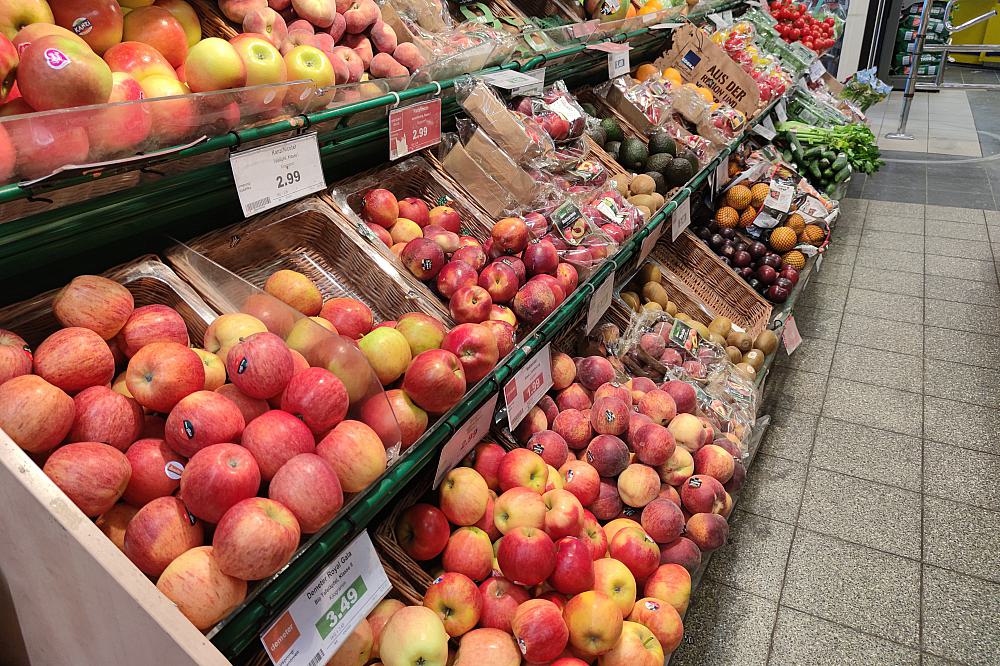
277, 173
254, 206
318, 658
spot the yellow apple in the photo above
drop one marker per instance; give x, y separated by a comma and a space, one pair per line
215, 369
615, 580
226, 331
388, 352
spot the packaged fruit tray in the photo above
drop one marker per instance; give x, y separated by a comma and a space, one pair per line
640, 290
723, 291
149, 280
305, 237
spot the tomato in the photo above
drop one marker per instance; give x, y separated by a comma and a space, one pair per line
829, 21
795, 33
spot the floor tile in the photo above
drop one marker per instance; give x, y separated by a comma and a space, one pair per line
951, 247
961, 291
895, 282
970, 269
950, 197
754, 558
853, 208
806, 640
868, 453
773, 488
831, 273
882, 368
795, 389
961, 616
897, 209
897, 307
817, 323
890, 260
893, 223
873, 406
813, 355
826, 296
891, 240
960, 475
862, 588
992, 217
946, 229
966, 348
725, 626
962, 538
927, 659
960, 316
849, 235
932, 212
860, 511
891, 193
885, 334
840, 253
968, 426
979, 386
789, 435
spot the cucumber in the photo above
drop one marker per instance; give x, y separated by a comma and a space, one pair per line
842, 174
824, 163
814, 170
827, 173
840, 162
830, 155
813, 152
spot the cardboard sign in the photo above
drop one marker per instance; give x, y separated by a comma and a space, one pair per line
323, 616
649, 242
277, 173
721, 175
702, 62
527, 386
463, 441
790, 335
414, 128
600, 301
680, 220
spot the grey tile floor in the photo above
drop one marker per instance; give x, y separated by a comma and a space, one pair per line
869, 530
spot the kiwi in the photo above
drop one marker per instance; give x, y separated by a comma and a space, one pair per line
654, 291
716, 339
646, 212
658, 199
740, 340
671, 308
721, 325
755, 358
651, 273
642, 200
766, 341
631, 299
621, 182
653, 306
701, 328
735, 355
642, 184
746, 370
683, 316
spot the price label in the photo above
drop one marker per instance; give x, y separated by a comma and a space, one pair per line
470, 434
277, 173
790, 335
618, 59
665, 26
819, 262
649, 242
765, 129
318, 622
535, 88
527, 386
414, 128
680, 220
600, 301
780, 111
718, 19
508, 79
721, 174
816, 70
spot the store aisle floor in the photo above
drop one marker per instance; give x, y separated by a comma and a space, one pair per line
868, 530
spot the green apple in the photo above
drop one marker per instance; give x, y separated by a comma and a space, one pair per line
308, 62
15, 14
213, 64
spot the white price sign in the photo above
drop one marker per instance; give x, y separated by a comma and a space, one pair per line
277, 173
780, 111
533, 89
510, 80
721, 174
527, 386
816, 70
618, 60
790, 335
470, 434
317, 623
600, 301
649, 242
665, 26
680, 220
766, 129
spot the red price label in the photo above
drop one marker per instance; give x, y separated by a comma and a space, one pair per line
530, 389
414, 128
527, 386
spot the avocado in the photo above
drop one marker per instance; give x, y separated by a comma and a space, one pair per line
633, 154
599, 136
612, 129
678, 172
659, 162
661, 182
613, 148
589, 109
661, 142
692, 160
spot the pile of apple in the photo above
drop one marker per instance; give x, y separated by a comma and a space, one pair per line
581, 543
516, 276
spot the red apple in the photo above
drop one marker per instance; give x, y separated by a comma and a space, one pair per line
92, 475
351, 317
260, 365
435, 380
57, 73
500, 601
540, 630
105, 416
162, 373
446, 217
156, 471
274, 438
216, 478
574, 571
194, 583
73, 359
159, 533
526, 555
485, 459
563, 515
317, 397
503, 333
423, 257
94, 302
98, 22
380, 207
202, 419
470, 305
540, 256
151, 323
158, 28
454, 276
414, 209
356, 454
423, 531
15, 356
457, 602
255, 538
310, 489
581, 479
473, 255
636, 550
476, 348
469, 552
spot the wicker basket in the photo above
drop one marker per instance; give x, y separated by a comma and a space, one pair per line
630, 131
148, 279
723, 291
213, 22
572, 12
680, 294
305, 237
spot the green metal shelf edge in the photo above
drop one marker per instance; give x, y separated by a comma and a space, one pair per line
243, 630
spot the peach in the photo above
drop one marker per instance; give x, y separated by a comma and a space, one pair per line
662, 520
653, 444
550, 446
684, 552
355, 66
549, 408
361, 15
714, 461
608, 455
703, 494
683, 394
266, 22
678, 468
574, 396
337, 28
319, 13
727, 506
668, 492
652, 344
708, 531
639, 386
635, 421
408, 55
534, 302
659, 406
670, 583
638, 485
608, 503
533, 422
613, 390
363, 47
594, 371
609, 416
689, 432
472, 255
735, 483
563, 371
573, 428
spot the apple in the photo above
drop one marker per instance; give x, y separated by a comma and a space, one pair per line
201, 419
456, 601
156, 471
485, 459
574, 570
34, 413
453, 276
446, 217
564, 513
637, 646
138, 60
519, 507
540, 630
636, 550
473, 255
524, 468
470, 304
317, 397
476, 348
414, 209
616, 581
15, 356
534, 302
105, 416
186, 16
308, 487
463, 496
414, 636
44, 142
56, 72
469, 552
251, 408
594, 622
214, 64
157, 27
394, 416
255, 538
175, 119
260, 365
423, 531
91, 474
504, 334
199, 589
274, 438
501, 599
216, 478
94, 302
662, 620
114, 522
388, 352
308, 62
487, 646
351, 317
356, 648
435, 380
526, 555
160, 532
98, 22
582, 480
421, 331
355, 453
264, 65
379, 617
671, 583
73, 359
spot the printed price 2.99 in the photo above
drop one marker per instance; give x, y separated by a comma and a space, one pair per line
419, 133
287, 179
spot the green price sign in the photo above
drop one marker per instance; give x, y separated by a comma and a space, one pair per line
341, 606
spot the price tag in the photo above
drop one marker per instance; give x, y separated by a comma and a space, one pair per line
780, 111
318, 622
618, 59
721, 175
470, 434
816, 70
508, 79
665, 26
718, 19
649, 242
763, 130
414, 128
680, 220
535, 88
819, 262
277, 173
600, 301
527, 386
790, 335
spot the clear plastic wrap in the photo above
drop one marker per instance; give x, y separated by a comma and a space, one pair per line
660, 347
556, 110
722, 124
577, 238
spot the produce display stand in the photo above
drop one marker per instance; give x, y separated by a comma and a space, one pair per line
52, 560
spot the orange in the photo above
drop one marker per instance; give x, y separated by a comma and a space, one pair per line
727, 217
671, 74
651, 7
795, 259
813, 234
748, 216
782, 239
631, 11
796, 222
646, 71
758, 193
738, 197
706, 94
